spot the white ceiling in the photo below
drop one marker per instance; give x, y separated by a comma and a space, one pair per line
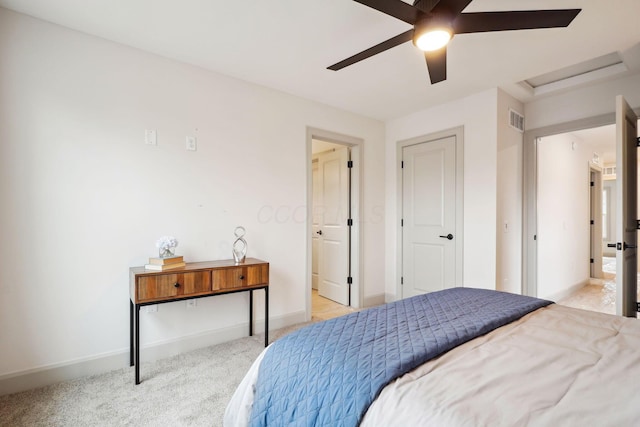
287, 45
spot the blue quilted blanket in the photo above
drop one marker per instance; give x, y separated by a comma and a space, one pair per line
328, 373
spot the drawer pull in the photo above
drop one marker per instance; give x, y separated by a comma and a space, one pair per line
177, 285
241, 277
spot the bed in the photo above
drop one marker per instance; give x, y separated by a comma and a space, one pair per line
459, 357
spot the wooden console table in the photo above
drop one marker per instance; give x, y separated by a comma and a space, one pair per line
195, 280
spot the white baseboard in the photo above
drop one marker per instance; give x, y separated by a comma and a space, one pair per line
389, 297
373, 300
54, 373
557, 296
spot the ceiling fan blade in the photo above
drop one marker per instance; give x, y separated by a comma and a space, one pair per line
396, 8
425, 5
517, 20
437, 64
451, 7
385, 45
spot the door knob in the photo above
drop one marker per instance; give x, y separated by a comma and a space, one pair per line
611, 245
319, 232
448, 236
629, 246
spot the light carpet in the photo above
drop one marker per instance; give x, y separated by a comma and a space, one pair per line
190, 389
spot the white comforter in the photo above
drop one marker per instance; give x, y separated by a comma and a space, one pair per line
557, 366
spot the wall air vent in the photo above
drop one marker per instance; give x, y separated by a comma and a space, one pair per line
516, 120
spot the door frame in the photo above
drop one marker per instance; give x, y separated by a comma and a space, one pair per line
458, 133
595, 212
356, 145
530, 197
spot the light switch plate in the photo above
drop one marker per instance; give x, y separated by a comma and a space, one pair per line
150, 137
191, 143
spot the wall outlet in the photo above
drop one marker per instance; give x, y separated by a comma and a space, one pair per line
191, 143
192, 303
150, 137
151, 308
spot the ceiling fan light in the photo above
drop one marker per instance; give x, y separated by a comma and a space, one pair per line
433, 39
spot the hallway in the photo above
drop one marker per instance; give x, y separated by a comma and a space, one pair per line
600, 294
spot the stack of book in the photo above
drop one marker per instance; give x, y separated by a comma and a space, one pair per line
161, 264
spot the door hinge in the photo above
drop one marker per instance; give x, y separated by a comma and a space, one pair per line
402, 280
638, 307
591, 261
349, 280
350, 164
535, 237
349, 222
593, 183
638, 142
638, 224
402, 223
402, 164
592, 222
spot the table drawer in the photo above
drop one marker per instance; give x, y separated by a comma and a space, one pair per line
164, 286
240, 277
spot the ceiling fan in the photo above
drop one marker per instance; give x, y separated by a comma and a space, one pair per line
435, 22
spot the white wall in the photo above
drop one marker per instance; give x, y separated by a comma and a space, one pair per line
509, 198
477, 114
83, 198
563, 215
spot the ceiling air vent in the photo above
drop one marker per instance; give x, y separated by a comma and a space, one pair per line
516, 120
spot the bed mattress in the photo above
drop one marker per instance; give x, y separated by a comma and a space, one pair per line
554, 366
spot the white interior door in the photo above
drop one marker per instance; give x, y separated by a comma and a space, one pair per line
429, 216
315, 225
332, 231
626, 221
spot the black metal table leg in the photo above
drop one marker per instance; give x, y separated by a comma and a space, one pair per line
251, 313
266, 316
137, 343
130, 333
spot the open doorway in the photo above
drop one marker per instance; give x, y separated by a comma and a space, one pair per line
576, 196
333, 226
331, 234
